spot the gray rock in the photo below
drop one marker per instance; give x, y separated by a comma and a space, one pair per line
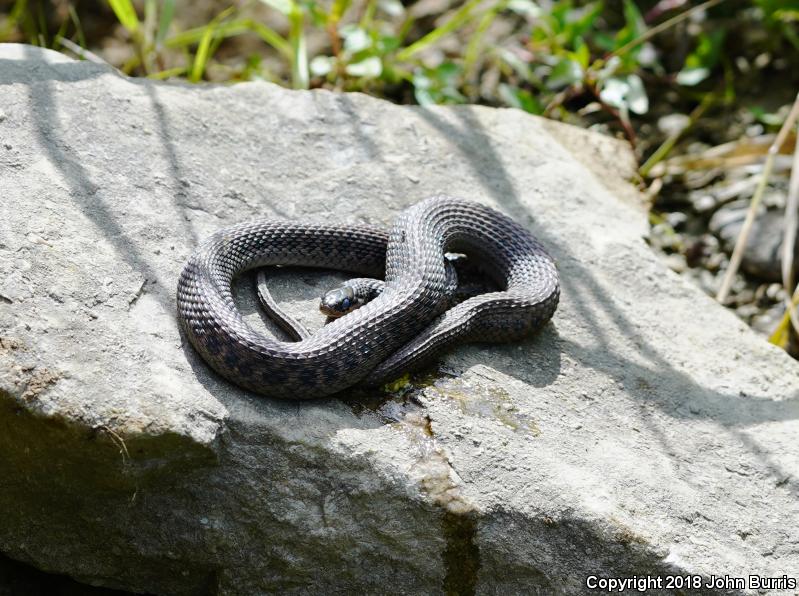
645, 431
762, 256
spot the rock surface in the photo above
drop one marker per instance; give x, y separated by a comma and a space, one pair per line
762, 256
645, 431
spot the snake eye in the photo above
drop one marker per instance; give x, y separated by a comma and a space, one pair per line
338, 302
335, 303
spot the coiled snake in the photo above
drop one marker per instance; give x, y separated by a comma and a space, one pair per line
401, 329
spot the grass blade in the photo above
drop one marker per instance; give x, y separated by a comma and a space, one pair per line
165, 74
201, 57
167, 13
650, 33
272, 37
232, 29
125, 13
299, 54
76, 23
661, 152
473, 49
458, 19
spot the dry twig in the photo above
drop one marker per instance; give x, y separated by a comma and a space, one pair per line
781, 335
743, 236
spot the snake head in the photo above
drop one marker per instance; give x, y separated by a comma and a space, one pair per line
338, 302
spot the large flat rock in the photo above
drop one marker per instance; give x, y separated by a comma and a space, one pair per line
644, 431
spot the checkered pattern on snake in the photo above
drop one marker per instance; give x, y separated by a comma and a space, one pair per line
400, 330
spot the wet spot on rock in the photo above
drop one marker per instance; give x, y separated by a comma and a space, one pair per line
461, 555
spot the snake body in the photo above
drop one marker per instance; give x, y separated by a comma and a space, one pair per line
401, 329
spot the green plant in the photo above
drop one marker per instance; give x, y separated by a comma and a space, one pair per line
147, 35
781, 16
554, 62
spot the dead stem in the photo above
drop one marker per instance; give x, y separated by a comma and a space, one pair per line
743, 236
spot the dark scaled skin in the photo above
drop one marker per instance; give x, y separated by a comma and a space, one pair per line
350, 296
410, 321
464, 281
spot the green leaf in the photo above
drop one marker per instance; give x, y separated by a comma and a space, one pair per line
692, 76
355, 39
392, 8
526, 8
779, 10
423, 96
625, 93
338, 9
634, 27
610, 68
604, 41
319, 18
438, 85
125, 13
387, 43
699, 63
321, 65
769, 119
371, 67
581, 54
633, 18
520, 98
283, 6
566, 72
613, 92
637, 98
581, 20
520, 67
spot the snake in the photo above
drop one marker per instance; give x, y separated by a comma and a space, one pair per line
405, 325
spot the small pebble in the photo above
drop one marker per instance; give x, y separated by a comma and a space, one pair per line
705, 203
673, 123
762, 60
745, 296
715, 261
711, 241
767, 321
709, 282
747, 310
676, 262
754, 130
775, 200
775, 291
742, 64
676, 219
